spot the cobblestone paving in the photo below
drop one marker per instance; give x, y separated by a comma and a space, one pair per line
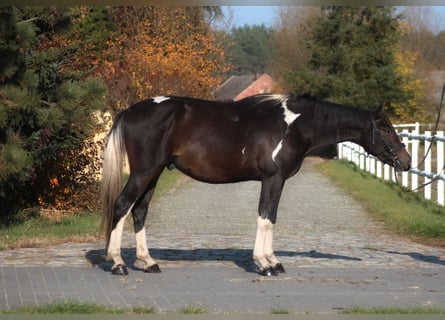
200, 224
211, 229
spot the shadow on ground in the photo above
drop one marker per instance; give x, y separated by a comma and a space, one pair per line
420, 257
241, 257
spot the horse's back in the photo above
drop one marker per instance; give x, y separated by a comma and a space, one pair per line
211, 141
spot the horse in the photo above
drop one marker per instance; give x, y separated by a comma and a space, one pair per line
264, 137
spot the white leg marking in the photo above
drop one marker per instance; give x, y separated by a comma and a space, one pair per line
114, 247
260, 241
160, 99
268, 250
277, 149
142, 249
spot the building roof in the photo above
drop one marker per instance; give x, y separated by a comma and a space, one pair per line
234, 86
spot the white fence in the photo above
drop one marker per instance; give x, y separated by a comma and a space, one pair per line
423, 172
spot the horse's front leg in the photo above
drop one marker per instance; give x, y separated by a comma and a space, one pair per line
263, 253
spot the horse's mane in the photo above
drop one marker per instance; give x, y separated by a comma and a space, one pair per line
326, 110
264, 98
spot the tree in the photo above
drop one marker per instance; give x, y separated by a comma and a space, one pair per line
146, 51
174, 51
251, 51
289, 42
45, 114
50, 86
352, 58
419, 36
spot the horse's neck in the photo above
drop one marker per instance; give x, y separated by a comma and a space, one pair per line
343, 124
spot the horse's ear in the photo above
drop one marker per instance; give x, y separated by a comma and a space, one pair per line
377, 112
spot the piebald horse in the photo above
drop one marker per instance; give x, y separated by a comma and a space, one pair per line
264, 137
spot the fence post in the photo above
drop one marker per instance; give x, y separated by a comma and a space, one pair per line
372, 166
379, 169
405, 174
427, 165
415, 158
386, 172
440, 166
355, 154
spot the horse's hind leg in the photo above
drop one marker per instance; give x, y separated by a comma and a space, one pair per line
139, 215
127, 201
123, 208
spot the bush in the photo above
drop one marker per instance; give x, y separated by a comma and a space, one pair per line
46, 118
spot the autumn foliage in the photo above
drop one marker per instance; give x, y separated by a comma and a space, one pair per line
60, 63
173, 56
152, 51
145, 51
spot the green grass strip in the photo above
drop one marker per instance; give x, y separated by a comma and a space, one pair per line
402, 211
68, 307
192, 310
393, 310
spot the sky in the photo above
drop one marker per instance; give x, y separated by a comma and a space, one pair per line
254, 15
266, 15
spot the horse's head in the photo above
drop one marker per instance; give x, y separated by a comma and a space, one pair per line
385, 144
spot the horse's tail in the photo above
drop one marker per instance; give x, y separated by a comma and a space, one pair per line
112, 173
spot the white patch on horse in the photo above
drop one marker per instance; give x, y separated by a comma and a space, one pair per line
243, 150
263, 242
277, 149
160, 99
114, 247
289, 116
142, 252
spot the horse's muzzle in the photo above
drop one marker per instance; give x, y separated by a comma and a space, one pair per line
402, 161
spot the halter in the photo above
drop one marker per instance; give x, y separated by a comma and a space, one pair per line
387, 148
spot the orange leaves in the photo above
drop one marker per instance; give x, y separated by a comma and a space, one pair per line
172, 53
143, 51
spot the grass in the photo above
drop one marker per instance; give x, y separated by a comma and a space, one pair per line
192, 310
403, 212
37, 232
393, 310
68, 307
279, 311
79, 227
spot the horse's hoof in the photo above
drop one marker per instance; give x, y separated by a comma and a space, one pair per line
267, 272
120, 270
279, 268
153, 269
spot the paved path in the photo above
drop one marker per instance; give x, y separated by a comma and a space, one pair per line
335, 255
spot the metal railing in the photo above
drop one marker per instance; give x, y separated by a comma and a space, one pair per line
427, 153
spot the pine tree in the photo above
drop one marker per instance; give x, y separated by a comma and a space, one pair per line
45, 114
251, 51
352, 58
